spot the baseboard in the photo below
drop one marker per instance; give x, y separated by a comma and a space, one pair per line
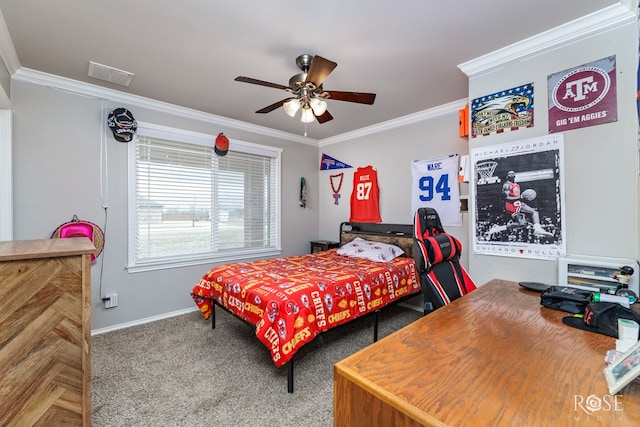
411, 306
143, 321
185, 311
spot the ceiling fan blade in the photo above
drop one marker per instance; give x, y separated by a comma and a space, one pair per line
260, 82
324, 117
360, 98
273, 106
319, 70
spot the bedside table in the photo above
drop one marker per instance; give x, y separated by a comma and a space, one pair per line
322, 245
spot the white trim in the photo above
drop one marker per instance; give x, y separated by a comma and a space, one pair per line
188, 262
596, 22
50, 80
74, 86
197, 138
186, 311
153, 130
588, 25
7, 49
253, 148
143, 321
5, 101
131, 199
420, 116
411, 306
6, 176
144, 129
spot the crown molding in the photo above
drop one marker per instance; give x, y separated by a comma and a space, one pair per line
409, 119
5, 102
588, 25
87, 89
7, 49
600, 21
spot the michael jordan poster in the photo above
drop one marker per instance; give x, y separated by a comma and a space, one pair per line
519, 198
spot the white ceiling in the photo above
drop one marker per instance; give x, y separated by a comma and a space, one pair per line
189, 52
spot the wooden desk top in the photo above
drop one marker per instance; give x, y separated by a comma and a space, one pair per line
494, 357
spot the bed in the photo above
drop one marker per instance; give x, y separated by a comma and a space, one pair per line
292, 300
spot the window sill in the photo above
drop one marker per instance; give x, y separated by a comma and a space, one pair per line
217, 260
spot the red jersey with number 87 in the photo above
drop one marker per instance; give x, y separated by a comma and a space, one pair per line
364, 197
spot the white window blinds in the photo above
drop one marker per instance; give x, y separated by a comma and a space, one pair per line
190, 203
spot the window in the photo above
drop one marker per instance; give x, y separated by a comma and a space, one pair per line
187, 205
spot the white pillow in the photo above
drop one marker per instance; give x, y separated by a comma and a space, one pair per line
375, 251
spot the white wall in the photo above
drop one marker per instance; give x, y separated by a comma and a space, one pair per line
391, 152
601, 181
601, 162
56, 161
6, 175
7, 53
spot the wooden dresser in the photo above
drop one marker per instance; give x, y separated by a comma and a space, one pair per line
45, 332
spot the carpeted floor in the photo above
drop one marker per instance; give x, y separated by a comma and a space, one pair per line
180, 372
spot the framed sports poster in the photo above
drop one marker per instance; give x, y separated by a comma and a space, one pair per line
518, 193
583, 96
506, 110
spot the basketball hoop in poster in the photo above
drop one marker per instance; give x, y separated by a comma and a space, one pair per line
485, 172
329, 162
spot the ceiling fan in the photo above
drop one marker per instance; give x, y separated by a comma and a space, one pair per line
307, 91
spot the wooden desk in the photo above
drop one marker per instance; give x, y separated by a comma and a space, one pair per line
494, 357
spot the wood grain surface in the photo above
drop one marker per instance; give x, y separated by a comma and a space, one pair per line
45, 370
495, 357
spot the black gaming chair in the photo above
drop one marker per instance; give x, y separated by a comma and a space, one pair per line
437, 257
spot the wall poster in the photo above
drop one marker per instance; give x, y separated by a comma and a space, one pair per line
583, 96
518, 193
507, 110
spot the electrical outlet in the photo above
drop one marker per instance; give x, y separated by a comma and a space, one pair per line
110, 300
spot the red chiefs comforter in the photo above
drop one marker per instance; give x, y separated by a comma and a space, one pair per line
291, 300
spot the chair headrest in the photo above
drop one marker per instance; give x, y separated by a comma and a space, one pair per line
428, 222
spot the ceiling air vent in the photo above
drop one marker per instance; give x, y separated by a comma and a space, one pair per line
110, 74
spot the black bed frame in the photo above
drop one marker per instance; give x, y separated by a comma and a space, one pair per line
345, 227
377, 228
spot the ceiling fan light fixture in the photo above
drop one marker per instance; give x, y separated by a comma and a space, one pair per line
305, 87
318, 105
307, 115
291, 107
